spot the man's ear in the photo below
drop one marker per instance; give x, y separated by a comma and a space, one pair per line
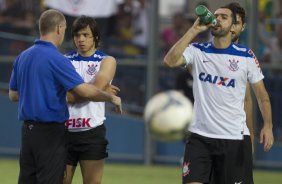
58, 31
243, 27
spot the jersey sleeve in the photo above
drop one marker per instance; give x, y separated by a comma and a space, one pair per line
13, 80
65, 73
189, 54
254, 69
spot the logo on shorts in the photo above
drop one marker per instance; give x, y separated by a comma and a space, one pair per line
92, 69
233, 65
240, 182
186, 169
30, 127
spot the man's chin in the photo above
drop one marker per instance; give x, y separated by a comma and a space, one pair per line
214, 33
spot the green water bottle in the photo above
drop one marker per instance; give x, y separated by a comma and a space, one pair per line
205, 15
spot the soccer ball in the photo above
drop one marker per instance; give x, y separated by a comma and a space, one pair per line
168, 115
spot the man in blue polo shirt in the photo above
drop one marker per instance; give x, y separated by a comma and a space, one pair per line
40, 79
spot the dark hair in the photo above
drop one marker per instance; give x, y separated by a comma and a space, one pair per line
237, 10
49, 20
84, 21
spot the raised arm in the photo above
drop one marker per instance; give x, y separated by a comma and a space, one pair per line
174, 56
266, 134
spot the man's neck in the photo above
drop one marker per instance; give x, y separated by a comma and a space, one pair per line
88, 53
221, 42
50, 38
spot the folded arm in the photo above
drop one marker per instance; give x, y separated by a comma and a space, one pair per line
102, 79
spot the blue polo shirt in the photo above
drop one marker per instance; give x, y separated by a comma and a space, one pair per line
42, 75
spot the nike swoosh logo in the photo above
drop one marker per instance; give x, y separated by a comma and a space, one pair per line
205, 61
238, 182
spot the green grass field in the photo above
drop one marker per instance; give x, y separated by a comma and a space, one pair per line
133, 173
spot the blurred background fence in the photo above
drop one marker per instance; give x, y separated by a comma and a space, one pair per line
138, 33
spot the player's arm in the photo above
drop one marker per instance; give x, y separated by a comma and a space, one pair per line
73, 98
92, 93
175, 57
266, 134
249, 112
13, 95
102, 80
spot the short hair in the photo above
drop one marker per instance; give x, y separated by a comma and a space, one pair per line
48, 21
84, 21
237, 10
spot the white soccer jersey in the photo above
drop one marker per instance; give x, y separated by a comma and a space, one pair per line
219, 86
86, 115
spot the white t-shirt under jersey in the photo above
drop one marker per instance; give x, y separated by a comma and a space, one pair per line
219, 86
86, 115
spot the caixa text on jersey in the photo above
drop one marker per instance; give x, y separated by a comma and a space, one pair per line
223, 81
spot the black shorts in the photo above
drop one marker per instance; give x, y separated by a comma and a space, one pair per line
248, 159
87, 145
43, 153
205, 157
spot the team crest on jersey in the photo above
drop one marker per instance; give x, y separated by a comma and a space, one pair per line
233, 65
185, 169
92, 69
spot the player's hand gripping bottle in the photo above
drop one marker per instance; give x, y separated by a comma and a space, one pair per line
205, 15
